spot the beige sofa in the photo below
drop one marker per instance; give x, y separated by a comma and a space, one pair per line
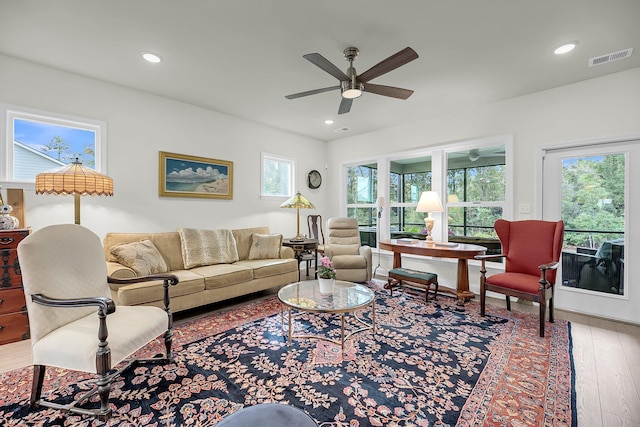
203, 280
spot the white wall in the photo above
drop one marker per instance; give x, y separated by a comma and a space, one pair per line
138, 126
602, 108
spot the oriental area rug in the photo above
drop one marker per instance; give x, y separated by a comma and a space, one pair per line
429, 364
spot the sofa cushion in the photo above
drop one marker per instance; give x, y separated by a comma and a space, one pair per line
142, 257
142, 293
167, 243
349, 262
207, 247
265, 246
270, 267
221, 275
243, 239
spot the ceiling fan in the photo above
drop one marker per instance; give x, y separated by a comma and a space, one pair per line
351, 84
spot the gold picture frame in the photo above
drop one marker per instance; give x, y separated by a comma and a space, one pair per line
182, 175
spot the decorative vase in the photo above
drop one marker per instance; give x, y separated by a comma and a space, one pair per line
326, 285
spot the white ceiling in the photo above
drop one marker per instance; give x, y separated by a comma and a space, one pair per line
241, 57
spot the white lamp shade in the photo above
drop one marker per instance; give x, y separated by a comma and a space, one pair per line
429, 202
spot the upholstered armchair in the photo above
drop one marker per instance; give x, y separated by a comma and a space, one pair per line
74, 324
351, 260
531, 250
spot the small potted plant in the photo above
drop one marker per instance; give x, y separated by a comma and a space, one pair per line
326, 276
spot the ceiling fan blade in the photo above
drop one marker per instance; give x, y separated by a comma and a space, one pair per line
394, 92
345, 105
311, 92
391, 63
323, 63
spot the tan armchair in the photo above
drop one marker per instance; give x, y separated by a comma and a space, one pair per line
351, 260
74, 324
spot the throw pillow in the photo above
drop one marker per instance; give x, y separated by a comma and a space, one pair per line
265, 246
207, 247
142, 257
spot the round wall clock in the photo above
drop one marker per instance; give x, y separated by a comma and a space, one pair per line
314, 179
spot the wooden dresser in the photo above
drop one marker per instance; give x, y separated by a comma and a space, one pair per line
14, 322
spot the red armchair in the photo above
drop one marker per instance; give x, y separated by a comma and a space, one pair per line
532, 253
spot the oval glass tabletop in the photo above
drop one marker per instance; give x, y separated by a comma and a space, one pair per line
306, 296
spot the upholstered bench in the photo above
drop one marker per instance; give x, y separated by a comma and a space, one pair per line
414, 277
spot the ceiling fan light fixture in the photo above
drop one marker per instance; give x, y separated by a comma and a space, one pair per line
351, 90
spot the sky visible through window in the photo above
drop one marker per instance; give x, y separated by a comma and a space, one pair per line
38, 135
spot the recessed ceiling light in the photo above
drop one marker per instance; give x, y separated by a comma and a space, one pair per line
565, 48
329, 122
151, 57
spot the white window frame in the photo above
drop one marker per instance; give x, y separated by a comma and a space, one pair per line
9, 113
292, 174
438, 155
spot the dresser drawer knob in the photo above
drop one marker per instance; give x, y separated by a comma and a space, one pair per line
6, 240
1, 328
1, 301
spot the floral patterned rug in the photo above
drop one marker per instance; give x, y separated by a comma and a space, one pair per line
432, 364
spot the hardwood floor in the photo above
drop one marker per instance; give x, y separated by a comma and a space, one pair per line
606, 357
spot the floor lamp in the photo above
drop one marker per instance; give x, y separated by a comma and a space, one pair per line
74, 179
380, 205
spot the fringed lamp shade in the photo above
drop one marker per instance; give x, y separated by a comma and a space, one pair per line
298, 202
74, 179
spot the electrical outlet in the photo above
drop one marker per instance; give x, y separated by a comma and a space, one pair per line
524, 208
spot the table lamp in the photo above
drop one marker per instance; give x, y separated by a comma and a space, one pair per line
429, 202
74, 179
298, 202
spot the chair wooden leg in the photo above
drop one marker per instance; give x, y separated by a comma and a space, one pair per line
543, 309
38, 379
483, 297
104, 388
551, 308
508, 303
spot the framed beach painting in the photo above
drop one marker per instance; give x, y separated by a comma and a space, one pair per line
191, 176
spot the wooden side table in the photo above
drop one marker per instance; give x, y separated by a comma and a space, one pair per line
300, 247
14, 322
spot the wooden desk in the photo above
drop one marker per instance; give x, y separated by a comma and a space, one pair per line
462, 252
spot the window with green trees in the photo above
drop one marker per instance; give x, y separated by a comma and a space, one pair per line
476, 189
277, 176
362, 190
593, 199
408, 178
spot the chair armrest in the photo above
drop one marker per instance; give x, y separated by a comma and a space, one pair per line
104, 303
549, 266
169, 279
486, 257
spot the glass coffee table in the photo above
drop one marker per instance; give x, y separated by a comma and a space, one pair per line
346, 298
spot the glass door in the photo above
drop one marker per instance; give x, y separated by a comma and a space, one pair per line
587, 187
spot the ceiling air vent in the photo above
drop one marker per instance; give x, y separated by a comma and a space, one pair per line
342, 130
610, 57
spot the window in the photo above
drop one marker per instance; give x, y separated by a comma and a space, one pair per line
408, 178
37, 142
472, 178
362, 190
277, 176
476, 190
